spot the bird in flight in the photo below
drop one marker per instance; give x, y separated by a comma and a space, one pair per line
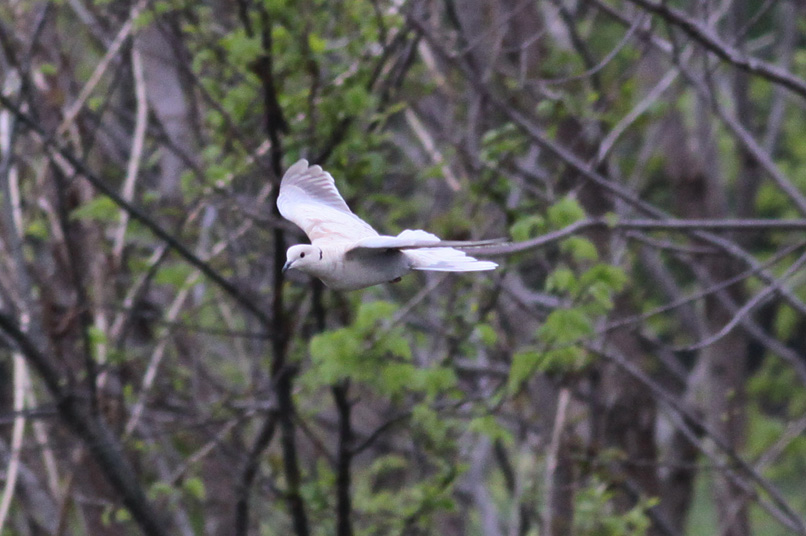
345, 252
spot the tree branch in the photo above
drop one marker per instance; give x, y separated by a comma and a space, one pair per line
137, 213
686, 226
106, 450
780, 508
344, 459
249, 472
697, 31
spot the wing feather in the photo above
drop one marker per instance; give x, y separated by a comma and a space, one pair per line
424, 250
309, 198
419, 239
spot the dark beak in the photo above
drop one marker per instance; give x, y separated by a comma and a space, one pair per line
287, 266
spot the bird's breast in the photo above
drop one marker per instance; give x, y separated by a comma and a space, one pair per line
356, 272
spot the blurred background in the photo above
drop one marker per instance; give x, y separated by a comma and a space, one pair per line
636, 365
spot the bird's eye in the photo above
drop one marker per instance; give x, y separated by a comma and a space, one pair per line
302, 255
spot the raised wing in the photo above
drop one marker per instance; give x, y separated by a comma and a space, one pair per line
309, 198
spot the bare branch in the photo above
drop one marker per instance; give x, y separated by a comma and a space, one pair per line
697, 31
137, 213
92, 431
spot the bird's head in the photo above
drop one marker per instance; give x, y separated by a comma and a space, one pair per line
302, 257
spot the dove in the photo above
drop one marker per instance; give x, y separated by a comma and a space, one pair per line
345, 252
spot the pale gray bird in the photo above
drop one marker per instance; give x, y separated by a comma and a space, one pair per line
345, 252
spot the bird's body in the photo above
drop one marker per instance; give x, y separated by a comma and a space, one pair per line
345, 252
340, 271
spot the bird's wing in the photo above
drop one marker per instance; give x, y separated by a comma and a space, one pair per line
408, 239
425, 250
309, 198
419, 239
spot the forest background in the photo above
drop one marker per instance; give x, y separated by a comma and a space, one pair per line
637, 364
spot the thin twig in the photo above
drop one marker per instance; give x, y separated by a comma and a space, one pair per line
20, 382
758, 300
746, 225
69, 159
779, 509
136, 153
106, 450
706, 37
112, 51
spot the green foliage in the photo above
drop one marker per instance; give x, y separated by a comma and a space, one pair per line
786, 321
777, 385
351, 351
490, 427
424, 378
580, 249
527, 227
501, 143
562, 280
195, 488
594, 515
565, 212
370, 352
100, 209
486, 333
564, 326
122, 515
524, 364
37, 229
175, 275
586, 285
390, 495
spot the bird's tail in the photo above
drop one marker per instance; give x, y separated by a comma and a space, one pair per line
446, 260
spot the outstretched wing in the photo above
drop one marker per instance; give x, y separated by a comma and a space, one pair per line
309, 198
419, 239
425, 250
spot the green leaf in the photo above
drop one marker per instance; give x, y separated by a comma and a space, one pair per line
387, 463
564, 326
527, 227
122, 515
786, 320
175, 275
601, 296
580, 248
436, 380
565, 359
195, 488
37, 229
334, 345
48, 69
397, 345
275, 6
524, 364
611, 218
316, 43
100, 209
565, 212
486, 334
371, 313
562, 280
243, 49
356, 99
432, 423
488, 425
611, 276
160, 489
336, 354
397, 377
97, 337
